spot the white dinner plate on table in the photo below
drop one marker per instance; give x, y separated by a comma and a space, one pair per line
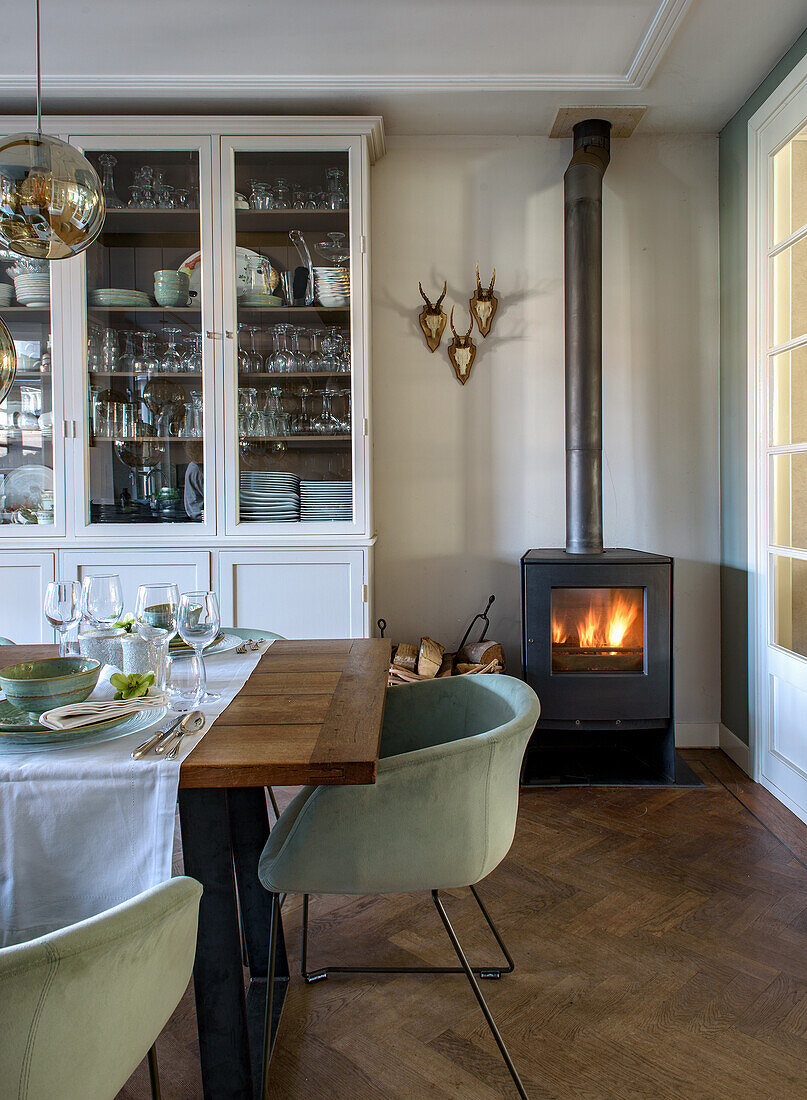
227, 643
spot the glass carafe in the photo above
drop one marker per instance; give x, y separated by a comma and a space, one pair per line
108, 162
194, 417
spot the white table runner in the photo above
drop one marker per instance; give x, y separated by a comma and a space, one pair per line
85, 828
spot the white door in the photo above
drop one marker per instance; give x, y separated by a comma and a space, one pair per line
24, 576
778, 333
188, 569
296, 593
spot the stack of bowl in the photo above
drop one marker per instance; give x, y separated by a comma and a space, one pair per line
171, 288
33, 288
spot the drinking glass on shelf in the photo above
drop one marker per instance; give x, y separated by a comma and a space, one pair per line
194, 416
63, 609
282, 195
244, 357
257, 358
199, 623
102, 599
110, 353
344, 421
283, 361
181, 195
172, 360
157, 611
301, 423
192, 359
129, 357
150, 361
326, 423
181, 680
277, 419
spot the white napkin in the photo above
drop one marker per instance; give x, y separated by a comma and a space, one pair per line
100, 706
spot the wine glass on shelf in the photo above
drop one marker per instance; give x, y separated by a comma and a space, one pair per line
63, 609
336, 249
244, 357
199, 623
102, 599
257, 358
172, 360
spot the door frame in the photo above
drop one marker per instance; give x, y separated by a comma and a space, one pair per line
772, 114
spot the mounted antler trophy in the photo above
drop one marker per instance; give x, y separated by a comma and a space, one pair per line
462, 351
484, 303
432, 319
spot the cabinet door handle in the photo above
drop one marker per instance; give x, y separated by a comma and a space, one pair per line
213, 335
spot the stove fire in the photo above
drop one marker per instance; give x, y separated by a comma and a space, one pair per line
597, 630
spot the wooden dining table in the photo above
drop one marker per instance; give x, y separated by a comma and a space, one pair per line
310, 713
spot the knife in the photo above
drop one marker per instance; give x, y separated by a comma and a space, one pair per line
156, 739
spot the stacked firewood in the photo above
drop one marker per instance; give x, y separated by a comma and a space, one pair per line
429, 660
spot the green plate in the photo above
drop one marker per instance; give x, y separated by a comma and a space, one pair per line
177, 643
20, 732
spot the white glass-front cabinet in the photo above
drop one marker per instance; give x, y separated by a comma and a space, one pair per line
192, 392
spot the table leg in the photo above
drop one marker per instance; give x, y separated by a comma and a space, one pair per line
224, 1047
249, 828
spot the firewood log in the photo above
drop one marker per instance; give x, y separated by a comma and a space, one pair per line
464, 669
430, 657
406, 656
402, 676
447, 665
481, 653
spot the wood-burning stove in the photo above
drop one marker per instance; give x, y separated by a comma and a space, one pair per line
596, 644
596, 623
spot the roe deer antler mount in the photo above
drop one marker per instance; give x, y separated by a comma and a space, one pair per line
484, 303
433, 319
462, 351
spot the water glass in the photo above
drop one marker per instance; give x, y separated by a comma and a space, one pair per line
157, 605
199, 623
183, 682
102, 599
63, 609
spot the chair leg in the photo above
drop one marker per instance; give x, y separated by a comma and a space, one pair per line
488, 972
273, 802
274, 920
154, 1074
469, 974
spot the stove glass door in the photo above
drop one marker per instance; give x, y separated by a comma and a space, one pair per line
598, 630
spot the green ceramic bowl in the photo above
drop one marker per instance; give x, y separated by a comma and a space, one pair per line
37, 686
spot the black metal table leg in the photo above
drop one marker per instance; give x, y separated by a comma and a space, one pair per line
221, 1014
249, 828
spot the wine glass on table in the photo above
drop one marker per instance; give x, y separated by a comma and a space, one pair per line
157, 617
102, 600
63, 609
199, 622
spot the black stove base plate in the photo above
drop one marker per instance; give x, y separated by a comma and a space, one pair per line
597, 767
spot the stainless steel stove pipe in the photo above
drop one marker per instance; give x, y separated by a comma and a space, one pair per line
582, 187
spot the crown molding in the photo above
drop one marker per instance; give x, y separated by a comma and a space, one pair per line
177, 87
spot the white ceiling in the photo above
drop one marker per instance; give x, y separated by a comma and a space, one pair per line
433, 66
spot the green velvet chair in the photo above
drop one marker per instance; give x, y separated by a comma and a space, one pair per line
441, 815
81, 1007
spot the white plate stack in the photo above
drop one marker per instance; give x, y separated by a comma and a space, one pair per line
119, 296
268, 497
33, 289
332, 286
326, 500
6, 294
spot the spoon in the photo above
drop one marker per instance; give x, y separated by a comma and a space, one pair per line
157, 739
192, 724
192, 721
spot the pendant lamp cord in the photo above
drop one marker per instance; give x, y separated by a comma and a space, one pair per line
38, 77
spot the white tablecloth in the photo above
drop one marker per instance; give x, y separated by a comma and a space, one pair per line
83, 829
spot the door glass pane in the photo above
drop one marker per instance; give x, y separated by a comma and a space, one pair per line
789, 591
790, 188
144, 341
292, 281
26, 415
789, 499
597, 630
789, 293
788, 397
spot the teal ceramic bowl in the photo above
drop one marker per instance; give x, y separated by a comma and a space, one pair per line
37, 686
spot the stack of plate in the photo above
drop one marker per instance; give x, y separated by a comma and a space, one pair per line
114, 296
253, 299
6, 294
326, 500
332, 286
269, 497
33, 289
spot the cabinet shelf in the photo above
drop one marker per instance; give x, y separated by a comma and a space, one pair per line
173, 375
144, 309
150, 220
272, 221
29, 311
274, 376
290, 311
323, 440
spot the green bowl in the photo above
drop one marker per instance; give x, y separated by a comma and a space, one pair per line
37, 686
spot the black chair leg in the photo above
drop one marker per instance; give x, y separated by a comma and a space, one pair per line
154, 1074
469, 974
274, 921
489, 972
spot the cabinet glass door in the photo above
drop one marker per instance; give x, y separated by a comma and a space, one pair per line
293, 280
30, 502
149, 397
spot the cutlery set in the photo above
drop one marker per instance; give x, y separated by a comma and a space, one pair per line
171, 737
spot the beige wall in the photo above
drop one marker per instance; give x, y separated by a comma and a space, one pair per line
467, 479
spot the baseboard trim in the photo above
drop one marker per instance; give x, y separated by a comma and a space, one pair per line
736, 750
696, 735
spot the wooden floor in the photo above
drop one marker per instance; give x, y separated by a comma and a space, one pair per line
660, 940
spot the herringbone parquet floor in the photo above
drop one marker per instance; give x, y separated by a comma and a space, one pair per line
660, 939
